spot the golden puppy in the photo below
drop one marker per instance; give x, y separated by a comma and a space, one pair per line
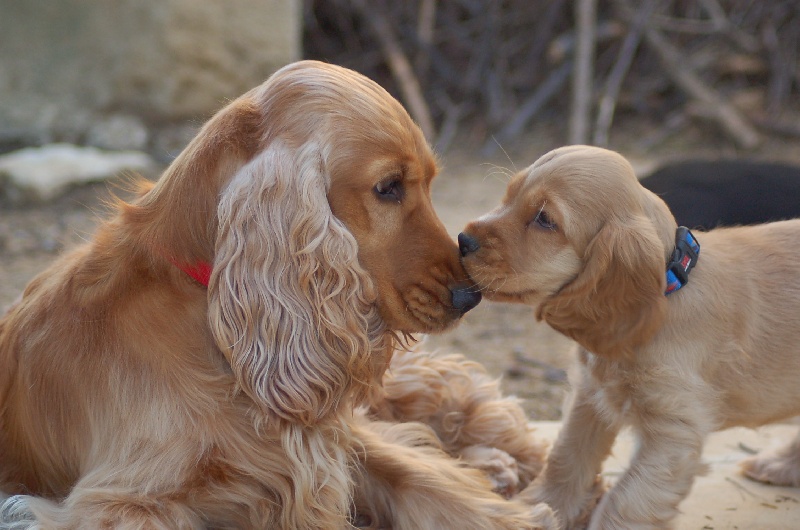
578, 238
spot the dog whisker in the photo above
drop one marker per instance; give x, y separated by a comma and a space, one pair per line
505, 153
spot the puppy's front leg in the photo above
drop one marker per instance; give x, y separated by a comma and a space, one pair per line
570, 482
663, 468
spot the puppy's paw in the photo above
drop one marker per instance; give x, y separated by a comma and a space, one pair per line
599, 489
15, 515
499, 466
573, 510
781, 467
544, 518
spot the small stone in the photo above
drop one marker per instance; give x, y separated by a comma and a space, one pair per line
40, 174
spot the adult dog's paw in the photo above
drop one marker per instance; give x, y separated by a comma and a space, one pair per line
499, 466
15, 514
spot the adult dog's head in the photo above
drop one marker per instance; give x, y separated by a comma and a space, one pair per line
577, 237
309, 197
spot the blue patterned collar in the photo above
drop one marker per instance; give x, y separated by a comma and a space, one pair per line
684, 258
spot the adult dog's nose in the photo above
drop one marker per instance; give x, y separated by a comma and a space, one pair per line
466, 298
467, 244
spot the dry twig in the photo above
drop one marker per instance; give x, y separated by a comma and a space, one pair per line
400, 66
608, 102
583, 71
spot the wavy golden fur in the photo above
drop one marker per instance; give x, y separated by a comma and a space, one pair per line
463, 404
133, 397
578, 238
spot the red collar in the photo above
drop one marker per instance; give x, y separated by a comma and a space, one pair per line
200, 271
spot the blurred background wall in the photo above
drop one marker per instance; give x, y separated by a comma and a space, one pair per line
133, 73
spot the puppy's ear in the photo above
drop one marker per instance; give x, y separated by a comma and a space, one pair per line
617, 302
289, 304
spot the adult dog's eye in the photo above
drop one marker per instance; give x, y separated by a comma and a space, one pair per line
390, 189
544, 220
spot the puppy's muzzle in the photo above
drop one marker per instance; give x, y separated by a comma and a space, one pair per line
466, 298
467, 244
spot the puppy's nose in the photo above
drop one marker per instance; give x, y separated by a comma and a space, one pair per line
466, 298
467, 244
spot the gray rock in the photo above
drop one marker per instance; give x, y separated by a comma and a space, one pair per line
41, 174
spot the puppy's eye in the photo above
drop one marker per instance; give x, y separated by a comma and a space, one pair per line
543, 220
390, 189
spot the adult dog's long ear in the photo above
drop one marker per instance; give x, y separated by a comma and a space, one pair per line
289, 304
617, 301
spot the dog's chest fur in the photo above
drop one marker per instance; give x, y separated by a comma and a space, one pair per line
611, 384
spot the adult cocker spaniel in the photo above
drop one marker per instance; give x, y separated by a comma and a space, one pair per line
679, 334
200, 362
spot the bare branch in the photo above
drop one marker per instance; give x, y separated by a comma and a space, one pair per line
583, 72
605, 111
400, 66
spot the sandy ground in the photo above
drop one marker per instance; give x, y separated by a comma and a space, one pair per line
530, 357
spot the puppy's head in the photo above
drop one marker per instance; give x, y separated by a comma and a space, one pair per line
577, 237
